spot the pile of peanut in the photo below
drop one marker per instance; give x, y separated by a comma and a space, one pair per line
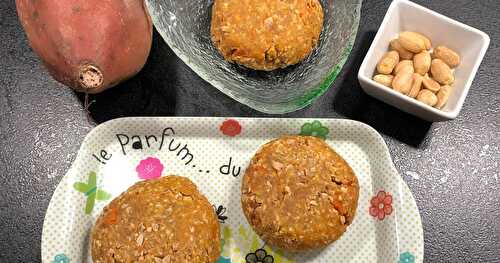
411, 69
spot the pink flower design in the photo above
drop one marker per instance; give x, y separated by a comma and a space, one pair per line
149, 168
381, 205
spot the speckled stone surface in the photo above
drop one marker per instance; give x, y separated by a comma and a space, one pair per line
451, 167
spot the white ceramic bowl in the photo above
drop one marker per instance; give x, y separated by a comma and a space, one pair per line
469, 42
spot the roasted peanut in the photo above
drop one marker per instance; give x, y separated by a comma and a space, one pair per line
427, 41
441, 72
402, 82
388, 62
385, 80
415, 71
430, 84
416, 85
412, 41
403, 53
427, 97
448, 56
404, 66
442, 96
422, 62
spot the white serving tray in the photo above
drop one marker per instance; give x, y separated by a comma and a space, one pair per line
214, 152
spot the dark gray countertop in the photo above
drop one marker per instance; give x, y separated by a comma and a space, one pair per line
452, 167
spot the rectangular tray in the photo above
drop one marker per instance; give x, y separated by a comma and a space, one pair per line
214, 152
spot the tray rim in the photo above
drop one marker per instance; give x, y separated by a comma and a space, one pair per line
367, 127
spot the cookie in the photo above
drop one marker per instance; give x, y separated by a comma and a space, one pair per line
298, 194
162, 220
266, 34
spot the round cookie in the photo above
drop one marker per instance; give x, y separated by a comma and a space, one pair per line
163, 220
266, 34
298, 194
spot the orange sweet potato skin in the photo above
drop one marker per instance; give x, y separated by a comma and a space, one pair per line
112, 37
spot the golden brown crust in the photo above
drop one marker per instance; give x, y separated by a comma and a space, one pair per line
266, 34
299, 194
158, 221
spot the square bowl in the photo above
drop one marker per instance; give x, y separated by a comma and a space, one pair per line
469, 42
185, 26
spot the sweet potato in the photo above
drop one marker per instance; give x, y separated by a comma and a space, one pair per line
89, 45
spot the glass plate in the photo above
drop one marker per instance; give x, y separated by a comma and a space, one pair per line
185, 26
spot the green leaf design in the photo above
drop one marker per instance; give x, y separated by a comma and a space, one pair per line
82, 187
306, 129
314, 128
222, 243
255, 243
102, 195
92, 179
243, 232
227, 233
89, 206
91, 191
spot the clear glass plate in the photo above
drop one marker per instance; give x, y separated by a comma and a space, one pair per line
185, 26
